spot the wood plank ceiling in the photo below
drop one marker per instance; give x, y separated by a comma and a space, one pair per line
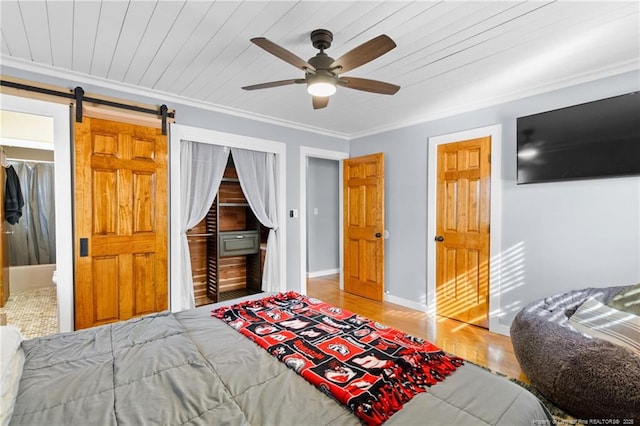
452, 56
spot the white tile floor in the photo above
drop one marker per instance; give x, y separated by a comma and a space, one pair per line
34, 312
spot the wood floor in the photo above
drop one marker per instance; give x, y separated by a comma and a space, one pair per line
472, 343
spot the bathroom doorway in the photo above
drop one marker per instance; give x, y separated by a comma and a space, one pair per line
34, 135
30, 222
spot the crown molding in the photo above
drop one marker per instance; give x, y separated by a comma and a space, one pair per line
604, 72
164, 97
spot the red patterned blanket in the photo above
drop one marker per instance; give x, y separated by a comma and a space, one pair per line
372, 369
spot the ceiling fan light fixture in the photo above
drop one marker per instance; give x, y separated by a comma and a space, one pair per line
322, 72
321, 85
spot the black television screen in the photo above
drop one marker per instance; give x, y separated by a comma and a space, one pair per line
592, 140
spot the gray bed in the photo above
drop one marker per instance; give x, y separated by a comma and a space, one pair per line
190, 368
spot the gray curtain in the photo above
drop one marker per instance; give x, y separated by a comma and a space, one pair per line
33, 240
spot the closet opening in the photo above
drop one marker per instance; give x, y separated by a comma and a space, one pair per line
228, 247
198, 160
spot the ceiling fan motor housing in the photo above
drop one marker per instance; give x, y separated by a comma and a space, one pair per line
321, 62
321, 39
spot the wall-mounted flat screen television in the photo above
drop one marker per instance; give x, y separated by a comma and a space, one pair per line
592, 140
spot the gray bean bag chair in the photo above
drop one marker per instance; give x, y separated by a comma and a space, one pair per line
588, 378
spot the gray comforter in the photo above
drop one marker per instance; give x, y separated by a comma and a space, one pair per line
190, 368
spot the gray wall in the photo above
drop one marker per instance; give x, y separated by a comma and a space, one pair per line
322, 228
558, 236
198, 117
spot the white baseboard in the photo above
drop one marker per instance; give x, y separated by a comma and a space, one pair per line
505, 330
317, 274
494, 328
405, 302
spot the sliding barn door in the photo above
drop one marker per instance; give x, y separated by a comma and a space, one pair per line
120, 221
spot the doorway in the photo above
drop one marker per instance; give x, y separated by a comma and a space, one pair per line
495, 133
57, 116
323, 217
306, 154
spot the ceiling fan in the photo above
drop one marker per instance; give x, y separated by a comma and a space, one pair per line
323, 73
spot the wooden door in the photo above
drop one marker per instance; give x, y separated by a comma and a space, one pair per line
364, 226
462, 226
120, 221
4, 245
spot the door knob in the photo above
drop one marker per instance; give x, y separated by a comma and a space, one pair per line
439, 238
378, 235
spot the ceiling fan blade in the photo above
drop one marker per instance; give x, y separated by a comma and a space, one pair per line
320, 102
364, 53
367, 85
282, 53
274, 84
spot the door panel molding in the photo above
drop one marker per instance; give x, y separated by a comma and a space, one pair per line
462, 226
364, 218
495, 132
121, 206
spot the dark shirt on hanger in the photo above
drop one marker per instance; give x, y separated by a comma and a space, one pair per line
13, 201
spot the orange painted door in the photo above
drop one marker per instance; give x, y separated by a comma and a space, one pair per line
120, 221
4, 245
462, 227
364, 226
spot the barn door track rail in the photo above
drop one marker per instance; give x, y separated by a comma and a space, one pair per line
78, 95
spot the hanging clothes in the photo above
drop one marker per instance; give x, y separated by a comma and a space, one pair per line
33, 241
13, 201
